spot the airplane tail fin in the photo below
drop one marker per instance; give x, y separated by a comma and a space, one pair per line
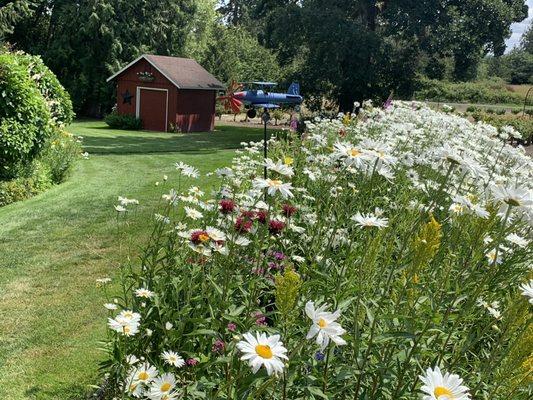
294, 88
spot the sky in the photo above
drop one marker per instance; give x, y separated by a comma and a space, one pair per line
519, 28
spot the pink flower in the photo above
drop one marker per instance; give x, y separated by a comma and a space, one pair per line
198, 237
226, 206
275, 226
289, 210
260, 319
191, 362
232, 327
261, 216
218, 346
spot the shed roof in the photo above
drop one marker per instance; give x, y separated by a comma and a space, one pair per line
184, 73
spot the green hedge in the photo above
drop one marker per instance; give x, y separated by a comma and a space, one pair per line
123, 121
55, 95
34, 151
25, 119
467, 92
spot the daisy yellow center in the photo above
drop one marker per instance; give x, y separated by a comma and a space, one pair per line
322, 323
353, 152
264, 351
442, 391
288, 160
143, 376
274, 182
203, 237
165, 387
127, 329
512, 202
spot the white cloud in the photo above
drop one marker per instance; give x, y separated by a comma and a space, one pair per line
519, 28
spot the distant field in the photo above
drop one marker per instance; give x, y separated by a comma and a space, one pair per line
521, 89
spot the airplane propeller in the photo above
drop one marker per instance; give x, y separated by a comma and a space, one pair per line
231, 102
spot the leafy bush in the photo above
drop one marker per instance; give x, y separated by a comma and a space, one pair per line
59, 154
57, 98
472, 109
500, 111
467, 92
377, 249
37, 180
516, 111
123, 121
34, 152
25, 119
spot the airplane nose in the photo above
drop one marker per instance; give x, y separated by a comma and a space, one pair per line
238, 95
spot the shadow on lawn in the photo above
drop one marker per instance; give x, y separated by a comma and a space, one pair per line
75, 392
98, 141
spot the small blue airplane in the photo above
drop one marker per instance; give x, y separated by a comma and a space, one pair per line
260, 97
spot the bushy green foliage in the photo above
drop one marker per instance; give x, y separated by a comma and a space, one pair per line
34, 152
52, 166
59, 154
25, 119
467, 92
57, 98
123, 121
37, 179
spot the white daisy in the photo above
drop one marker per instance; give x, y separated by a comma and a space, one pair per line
120, 209
144, 373
110, 306
527, 290
439, 387
145, 293
193, 213
273, 186
324, 326
173, 358
518, 240
369, 220
215, 234
127, 323
279, 167
262, 350
191, 172
161, 387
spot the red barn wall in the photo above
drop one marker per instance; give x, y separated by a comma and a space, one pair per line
195, 110
129, 81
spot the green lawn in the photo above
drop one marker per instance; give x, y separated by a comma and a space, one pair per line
54, 246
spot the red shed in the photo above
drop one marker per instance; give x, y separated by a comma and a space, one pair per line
165, 91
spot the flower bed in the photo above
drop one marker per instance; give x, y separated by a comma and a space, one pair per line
381, 259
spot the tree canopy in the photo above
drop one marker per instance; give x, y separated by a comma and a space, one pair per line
340, 50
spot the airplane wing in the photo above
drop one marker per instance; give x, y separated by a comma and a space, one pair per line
261, 83
264, 105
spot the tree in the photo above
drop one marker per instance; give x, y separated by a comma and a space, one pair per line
83, 42
11, 12
526, 42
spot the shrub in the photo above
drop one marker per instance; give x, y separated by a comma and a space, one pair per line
500, 111
59, 154
373, 252
123, 121
56, 96
37, 179
25, 119
467, 92
34, 152
524, 125
472, 109
490, 111
516, 111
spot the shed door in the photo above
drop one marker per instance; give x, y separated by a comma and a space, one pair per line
152, 108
